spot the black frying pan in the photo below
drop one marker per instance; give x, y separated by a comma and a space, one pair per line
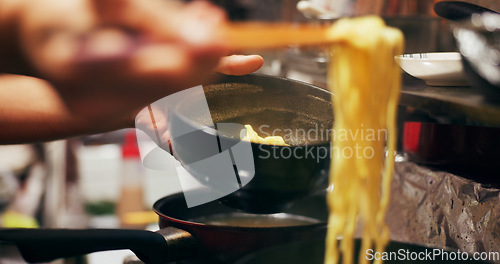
211, 231
458, 10
477, 34
282, 173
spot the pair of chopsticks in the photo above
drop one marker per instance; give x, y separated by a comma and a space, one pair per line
255, 36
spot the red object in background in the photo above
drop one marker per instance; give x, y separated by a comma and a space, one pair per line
132, 180
130, 149
411, 135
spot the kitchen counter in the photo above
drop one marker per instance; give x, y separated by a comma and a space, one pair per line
459, 105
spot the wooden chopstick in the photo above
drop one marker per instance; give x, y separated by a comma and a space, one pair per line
255, 36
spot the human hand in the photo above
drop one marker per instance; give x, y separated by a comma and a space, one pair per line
113, 57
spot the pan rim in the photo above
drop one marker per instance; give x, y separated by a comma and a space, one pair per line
157, 205
213, 132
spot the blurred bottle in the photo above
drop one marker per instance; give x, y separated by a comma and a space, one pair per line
132, 178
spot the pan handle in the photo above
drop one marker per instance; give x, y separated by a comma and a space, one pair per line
43, 245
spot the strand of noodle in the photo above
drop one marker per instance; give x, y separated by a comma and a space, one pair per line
373, 165
361, 186
381, 79
391, 137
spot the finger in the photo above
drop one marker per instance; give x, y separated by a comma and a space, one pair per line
192, 23
153, 122
135, 14
124, 83
152, 119
49, 31
239, 64
111, 50
166, 141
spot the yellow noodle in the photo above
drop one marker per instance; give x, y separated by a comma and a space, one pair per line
252, 136
365, 82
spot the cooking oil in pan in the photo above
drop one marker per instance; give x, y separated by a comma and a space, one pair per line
256, 220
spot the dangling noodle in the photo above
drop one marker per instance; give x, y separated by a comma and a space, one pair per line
366, 83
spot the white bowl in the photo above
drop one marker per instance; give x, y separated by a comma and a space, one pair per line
436, 69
